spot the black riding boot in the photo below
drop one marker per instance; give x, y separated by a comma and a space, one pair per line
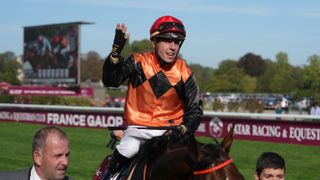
116, 162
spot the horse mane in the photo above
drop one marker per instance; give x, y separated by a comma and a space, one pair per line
155, 146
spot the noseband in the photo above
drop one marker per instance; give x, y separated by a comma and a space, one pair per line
214, 168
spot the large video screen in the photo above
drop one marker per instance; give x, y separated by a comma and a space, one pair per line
50, 54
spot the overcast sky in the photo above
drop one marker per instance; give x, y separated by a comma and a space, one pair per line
216, 29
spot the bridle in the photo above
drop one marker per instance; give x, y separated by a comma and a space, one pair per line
213, 168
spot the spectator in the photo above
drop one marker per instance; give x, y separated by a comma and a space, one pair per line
278, 109
270, 165
302, 105
50, 152
315, 109
285, 105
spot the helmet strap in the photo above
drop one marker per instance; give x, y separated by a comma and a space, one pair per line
180, 45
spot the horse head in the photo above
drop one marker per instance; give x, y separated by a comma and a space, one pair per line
185, 158
216, 162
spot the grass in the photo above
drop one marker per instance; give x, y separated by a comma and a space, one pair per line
88, 149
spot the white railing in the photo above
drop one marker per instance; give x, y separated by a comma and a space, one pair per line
292, 117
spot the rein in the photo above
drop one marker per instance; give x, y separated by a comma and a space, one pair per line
214, 168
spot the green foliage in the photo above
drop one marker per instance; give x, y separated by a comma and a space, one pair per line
249, 84
283, 76
229, 78
233, 106
249, 74
263, 81
252, 64
137, 47
116, 93
254, 105
141, 46
92, 63
77, 101
91, 67
217, 106
203, 75
312, 73
6, 99
9, 68
127, 50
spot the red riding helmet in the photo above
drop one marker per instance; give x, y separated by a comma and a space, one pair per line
168, 27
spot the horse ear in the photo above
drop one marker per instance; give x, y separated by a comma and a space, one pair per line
227, 140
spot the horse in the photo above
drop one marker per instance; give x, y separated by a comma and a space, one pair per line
182, 158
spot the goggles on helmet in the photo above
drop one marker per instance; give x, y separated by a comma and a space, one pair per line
170, 35
168, 27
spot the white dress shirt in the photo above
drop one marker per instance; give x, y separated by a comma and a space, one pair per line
34, 175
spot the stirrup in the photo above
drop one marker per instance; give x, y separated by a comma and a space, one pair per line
115, 176
109, 176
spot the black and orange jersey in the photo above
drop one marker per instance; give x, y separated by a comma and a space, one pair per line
157, 95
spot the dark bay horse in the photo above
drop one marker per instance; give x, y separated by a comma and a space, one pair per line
181, 158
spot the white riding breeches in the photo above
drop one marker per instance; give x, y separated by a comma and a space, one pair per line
133, 137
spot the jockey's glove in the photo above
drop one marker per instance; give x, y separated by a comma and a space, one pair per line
176, 132
119, 41
182, 129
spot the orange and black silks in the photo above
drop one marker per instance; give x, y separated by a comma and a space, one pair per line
158, 95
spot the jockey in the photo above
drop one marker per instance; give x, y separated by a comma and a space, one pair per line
162, 90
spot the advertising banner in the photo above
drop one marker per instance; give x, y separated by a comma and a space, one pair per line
50, 91
72, 119
50, 54
284, 131
280, 131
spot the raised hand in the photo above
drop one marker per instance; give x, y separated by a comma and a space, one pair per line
119, 41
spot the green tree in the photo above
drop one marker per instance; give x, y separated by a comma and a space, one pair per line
229, 78
252, 64
91, 67
127, 50
283, 80
203, 75
264, 81
312, 73
249, 84
137, 47
9, 68
141, 46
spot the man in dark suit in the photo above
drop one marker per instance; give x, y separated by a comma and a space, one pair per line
50, 152
15, 175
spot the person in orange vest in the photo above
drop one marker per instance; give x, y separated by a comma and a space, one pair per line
162, 89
